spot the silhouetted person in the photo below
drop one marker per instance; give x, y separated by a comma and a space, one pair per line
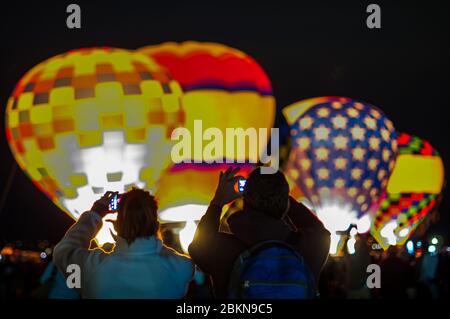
269, 214
53, 285
356, 265
428, 272
443, 274
332, 282
395, 273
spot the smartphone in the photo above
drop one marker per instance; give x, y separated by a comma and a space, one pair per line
241, 185
113, 202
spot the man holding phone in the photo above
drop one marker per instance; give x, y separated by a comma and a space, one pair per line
269, 214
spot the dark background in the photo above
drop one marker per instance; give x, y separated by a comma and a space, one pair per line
307, 49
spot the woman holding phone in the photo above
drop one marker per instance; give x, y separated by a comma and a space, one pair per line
140, 266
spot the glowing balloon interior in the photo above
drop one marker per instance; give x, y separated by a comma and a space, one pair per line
187, 234
342, 154
223, 87
92, 120
412, 191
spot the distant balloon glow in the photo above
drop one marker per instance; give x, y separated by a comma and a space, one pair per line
187, 234
180, 213
410, 247
352, 241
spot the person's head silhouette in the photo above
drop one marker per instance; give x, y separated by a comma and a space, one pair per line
137, 215
267, 193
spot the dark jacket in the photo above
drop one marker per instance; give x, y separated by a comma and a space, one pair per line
215, 252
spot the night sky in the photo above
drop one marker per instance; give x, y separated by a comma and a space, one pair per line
307, 50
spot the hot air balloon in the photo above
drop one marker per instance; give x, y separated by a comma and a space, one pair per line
92, 120
411, 193
342, 154
225, 88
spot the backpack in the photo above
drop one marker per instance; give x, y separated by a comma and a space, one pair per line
271, 270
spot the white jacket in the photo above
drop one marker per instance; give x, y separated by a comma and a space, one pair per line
145, 269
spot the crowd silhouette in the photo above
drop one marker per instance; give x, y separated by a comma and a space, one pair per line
274, 247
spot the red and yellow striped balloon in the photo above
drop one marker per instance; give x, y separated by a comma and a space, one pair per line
223, 87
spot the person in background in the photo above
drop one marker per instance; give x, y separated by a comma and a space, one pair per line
53, 285
333, 279
428, 272
8, 274
269, 214
140, 266
356, 265
443, 273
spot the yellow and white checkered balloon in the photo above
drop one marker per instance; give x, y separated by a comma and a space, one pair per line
92, 120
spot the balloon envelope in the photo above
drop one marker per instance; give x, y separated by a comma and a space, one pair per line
412, 191
225, 88
342, 154
92, 120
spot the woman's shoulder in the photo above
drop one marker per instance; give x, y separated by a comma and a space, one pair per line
173, 254
180, 262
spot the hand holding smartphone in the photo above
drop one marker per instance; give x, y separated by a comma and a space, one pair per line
241, 185
114, 202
